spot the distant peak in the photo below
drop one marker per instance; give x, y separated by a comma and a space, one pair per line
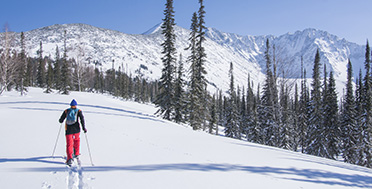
154, 29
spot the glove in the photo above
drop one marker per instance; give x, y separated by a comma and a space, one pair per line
85, 130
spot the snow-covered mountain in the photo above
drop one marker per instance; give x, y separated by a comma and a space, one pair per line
142, 53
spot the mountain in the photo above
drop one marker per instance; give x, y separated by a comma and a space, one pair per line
141, 54
132, 148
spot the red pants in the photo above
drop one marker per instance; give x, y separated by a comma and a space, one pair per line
73, 144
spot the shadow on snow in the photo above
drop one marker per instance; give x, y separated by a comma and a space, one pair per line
42, 159
137, 115
303, 175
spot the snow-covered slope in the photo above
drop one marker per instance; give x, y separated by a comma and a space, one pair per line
133, 149
141, 54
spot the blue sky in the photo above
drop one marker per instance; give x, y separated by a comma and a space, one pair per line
349, 19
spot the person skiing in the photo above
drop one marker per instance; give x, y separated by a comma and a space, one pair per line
72, 128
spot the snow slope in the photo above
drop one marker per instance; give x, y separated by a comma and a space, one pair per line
131, 148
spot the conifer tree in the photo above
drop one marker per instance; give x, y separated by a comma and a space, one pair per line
232, 122
258, 134
22, 77
179, 94
348, 121
57, 69
243, 118
110, 81
65, 70
193, 99
41, 67
285, 138
366, 150
213, 118
97, 80
29, 78
120, 82
303, 111
252, 130
331, 127
165, 99
268, 100
315, 139
49, 78
296, 113
220, 110
359, 95
198, 83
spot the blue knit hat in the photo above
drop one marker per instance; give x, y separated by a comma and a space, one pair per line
73, 103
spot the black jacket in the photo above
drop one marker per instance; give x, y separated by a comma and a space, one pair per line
75, 128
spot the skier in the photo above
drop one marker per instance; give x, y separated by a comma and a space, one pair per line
72, 127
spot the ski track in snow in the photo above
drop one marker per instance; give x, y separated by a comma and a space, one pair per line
75, 178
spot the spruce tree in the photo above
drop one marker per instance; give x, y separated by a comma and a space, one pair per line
198, 81
213, 118
285, 138
295, 115
65, 70
179, 94
260, 135
366, 150
22, 76
165, 99
303, 116
41, 67
243, 118
315, 139
49, 78
252, 130
331, 127
359, 95
349, 121
267, 109
220, 110
97, 80
232, 122
57, 69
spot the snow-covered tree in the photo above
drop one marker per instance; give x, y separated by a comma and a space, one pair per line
286, 130
304, 113
316, 142
348, 121
331, 126
366, 125
232, 122
267, 109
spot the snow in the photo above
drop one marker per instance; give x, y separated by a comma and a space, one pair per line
135, 52
132, 148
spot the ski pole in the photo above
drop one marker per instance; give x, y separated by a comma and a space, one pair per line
55, 145
90, 155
